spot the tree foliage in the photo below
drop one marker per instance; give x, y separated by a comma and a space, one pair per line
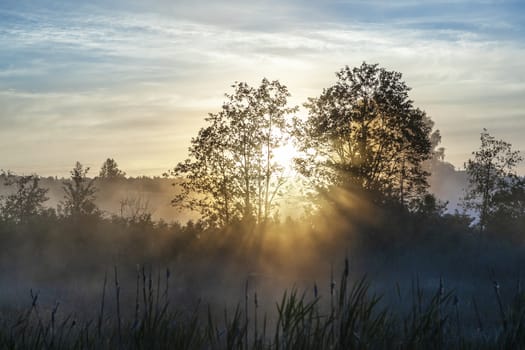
79, 193
110, 170
231, 173
364, 131
27, 201
493, 183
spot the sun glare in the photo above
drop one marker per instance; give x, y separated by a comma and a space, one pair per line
284, 156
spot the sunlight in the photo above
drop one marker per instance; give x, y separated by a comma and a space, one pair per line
284, 156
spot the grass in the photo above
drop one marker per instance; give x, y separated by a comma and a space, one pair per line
350, 317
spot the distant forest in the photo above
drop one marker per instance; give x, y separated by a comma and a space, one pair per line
157, 192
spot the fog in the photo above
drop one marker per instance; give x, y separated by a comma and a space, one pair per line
404, 255
154, 194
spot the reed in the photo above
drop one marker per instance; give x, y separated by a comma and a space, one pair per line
352, 317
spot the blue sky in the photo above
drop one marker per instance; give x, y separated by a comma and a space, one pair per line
133, 80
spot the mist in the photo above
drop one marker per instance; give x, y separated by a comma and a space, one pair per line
66, 260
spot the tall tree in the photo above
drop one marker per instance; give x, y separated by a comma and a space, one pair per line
232, 173
492, 177
364, 131
79, 193
110, 170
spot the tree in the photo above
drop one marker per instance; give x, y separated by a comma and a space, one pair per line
437, 154
508, 218
79, 193
135, 210
491, 177
364, 132
232, 173
26, 202
110, 170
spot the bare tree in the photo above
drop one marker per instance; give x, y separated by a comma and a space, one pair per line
135, 209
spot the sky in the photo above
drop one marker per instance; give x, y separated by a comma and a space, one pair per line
133, 80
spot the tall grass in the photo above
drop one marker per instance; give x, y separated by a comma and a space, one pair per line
351, 317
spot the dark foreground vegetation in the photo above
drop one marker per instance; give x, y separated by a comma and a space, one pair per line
409, 280
350, 316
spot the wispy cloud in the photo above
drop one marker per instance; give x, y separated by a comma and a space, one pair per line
92, 78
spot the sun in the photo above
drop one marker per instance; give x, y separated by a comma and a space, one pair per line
284, 156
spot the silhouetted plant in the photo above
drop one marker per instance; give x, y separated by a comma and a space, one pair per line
26, 202
110, 170
79, 193
364, 131
491, 177
135, 209
232, 173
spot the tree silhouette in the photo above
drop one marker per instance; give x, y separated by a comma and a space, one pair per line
110, 170
492, 178
232, 173
26, 202
364, 131
79, 193
135, 209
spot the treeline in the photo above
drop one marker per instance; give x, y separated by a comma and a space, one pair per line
362, 149
120, 196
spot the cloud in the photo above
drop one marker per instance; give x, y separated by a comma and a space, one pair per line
91, 78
